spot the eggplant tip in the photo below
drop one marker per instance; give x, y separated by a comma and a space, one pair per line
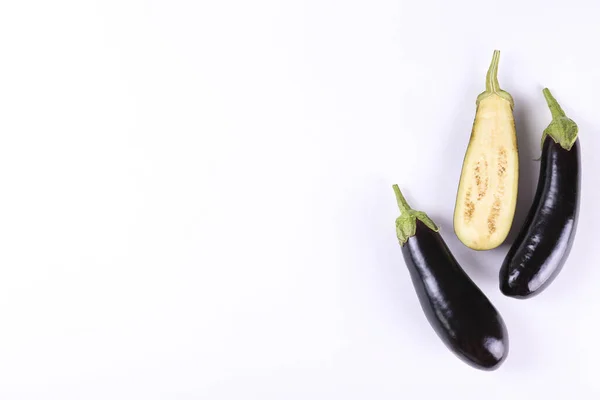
515, 291
493, 354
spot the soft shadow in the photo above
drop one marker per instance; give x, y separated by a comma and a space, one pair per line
529, 152
523, 351
469, 260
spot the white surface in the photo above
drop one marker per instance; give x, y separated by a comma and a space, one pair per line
196, 196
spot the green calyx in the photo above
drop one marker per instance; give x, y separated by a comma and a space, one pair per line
406, 223
491, 82
562, 129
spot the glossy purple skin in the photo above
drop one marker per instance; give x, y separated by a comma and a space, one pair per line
544, 242
459, 312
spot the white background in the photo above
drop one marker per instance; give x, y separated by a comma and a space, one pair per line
196, 202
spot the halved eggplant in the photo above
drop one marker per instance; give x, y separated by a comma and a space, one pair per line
487, 191
459, 312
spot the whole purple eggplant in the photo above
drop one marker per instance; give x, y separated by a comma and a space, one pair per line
544, 242
459, 312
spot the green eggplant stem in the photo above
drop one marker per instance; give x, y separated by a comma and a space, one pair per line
406, 223
555, 108
492, 87
562, 129
402, 203
491, 80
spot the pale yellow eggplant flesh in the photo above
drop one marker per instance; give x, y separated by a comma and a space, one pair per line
487, 191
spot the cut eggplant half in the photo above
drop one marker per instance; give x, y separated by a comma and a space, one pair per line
487, 191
